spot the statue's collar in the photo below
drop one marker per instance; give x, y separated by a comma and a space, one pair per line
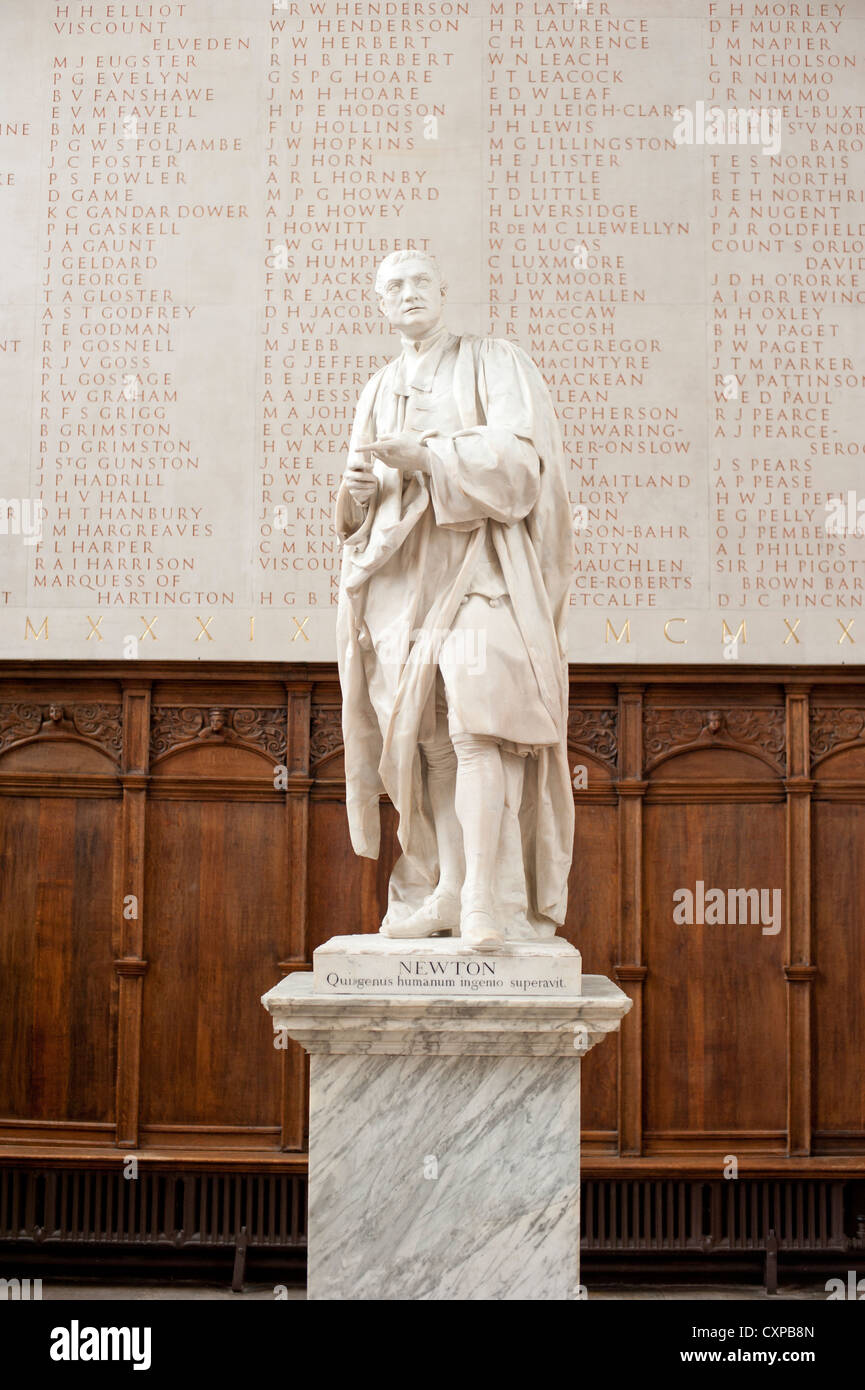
417, 366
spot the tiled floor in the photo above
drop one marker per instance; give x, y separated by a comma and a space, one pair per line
267, 1292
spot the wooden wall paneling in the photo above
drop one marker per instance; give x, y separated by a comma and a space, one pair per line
837, 740
799, 970
129, 906
736, 1042
54, 949
592, 921
334, 871
90, 989
715, 1008
294, 1066
299, 697
630, 970
217, 879
59, 754
24, 1087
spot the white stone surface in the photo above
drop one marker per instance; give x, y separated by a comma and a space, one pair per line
686, 456
444, 1139
444, 1178
394, 1025
439, 966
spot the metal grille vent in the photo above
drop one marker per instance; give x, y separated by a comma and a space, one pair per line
670, 1214
92, 1206
640, 1215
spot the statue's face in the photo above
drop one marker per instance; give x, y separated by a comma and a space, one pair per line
412, 299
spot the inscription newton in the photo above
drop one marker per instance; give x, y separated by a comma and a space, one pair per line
443, 967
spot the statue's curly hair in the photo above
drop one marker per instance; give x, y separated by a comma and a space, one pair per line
409, 254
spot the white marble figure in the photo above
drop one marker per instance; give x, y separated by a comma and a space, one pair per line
457, 560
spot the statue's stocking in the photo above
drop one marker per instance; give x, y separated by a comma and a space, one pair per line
480, 800
441, 765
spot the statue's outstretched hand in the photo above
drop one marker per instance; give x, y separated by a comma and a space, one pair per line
400, 451
360, 479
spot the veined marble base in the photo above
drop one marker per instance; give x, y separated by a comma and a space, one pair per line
444, 1154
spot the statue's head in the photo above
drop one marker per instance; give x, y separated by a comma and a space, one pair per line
411, 292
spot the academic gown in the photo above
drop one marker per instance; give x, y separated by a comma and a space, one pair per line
493, 514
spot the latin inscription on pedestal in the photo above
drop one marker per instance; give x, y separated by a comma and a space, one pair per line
440, 966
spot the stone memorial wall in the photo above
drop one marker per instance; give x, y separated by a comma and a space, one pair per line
663, 203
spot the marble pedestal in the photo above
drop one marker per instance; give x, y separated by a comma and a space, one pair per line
444, 1152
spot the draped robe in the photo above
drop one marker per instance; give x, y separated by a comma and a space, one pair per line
497, 484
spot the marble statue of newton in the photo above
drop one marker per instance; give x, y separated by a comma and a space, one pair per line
457, 560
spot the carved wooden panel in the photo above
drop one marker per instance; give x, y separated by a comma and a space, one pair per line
834, 729
595, 731
325, 736
173, 728
757, 731
96, 724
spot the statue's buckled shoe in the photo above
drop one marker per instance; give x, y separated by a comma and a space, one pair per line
439, 913
479, 931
